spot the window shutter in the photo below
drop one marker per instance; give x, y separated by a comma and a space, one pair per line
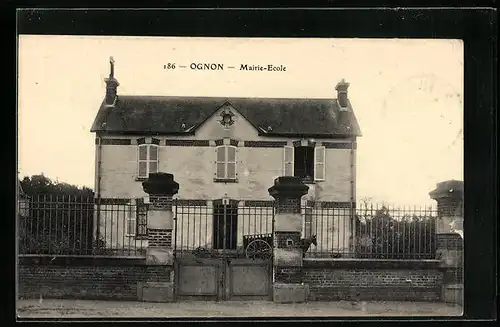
288, 161
220, 162
131, 226
319, 163
231, 162
153, 158
142, 161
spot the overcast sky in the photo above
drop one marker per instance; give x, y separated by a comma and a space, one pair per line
406, 94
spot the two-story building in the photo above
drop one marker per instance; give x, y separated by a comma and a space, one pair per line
225, 148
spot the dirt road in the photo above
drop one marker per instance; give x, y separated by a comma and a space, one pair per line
51, 308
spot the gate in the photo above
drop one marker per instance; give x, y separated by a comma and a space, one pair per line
223, 249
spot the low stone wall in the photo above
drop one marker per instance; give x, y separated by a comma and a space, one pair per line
120, 278
366, 279
92, 278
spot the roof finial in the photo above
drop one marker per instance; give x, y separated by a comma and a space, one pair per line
112, 67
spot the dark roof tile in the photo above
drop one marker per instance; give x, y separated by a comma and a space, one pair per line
183, 115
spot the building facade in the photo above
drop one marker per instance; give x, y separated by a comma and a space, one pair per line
224, 148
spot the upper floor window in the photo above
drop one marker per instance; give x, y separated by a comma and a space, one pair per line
226, 162
306, 162
147, 160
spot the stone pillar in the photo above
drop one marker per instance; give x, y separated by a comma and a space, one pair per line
287, 265
449, 238
161, 187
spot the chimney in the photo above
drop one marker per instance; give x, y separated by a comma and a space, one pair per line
341, 88
111, 84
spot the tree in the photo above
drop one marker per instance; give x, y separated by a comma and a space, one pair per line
59, 217
379, 235
42, 185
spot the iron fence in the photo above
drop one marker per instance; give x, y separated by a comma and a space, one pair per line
75, 225
50, 224
218, 228
371, 231
70, 225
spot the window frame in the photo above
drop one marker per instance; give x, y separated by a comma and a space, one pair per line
226, 162
290, 162
131, 217
148, 159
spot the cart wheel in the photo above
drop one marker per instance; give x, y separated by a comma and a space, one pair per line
259, 249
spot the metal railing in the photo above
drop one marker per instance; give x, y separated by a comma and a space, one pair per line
74, 225
371, 231
69, 225
218, 228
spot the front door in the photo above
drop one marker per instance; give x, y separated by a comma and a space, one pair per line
225, 227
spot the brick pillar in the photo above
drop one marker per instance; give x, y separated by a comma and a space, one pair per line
287, 264
161, 187
449, 242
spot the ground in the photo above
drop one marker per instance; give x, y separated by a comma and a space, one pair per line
49, 308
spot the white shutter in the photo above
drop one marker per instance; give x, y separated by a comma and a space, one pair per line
131, 222
319, 163
231, 162
288, 161
220, 162
153, 158
142, 160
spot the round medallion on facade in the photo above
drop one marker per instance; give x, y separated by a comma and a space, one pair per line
227, 118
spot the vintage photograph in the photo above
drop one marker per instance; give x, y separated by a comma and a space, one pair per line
239, 177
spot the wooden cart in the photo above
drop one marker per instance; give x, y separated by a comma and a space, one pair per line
258, 246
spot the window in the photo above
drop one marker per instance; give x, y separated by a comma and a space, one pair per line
137, 224
226, 162
304, 161
147, 160
303, 164
141, 218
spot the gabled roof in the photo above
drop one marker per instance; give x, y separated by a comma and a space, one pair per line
183, 115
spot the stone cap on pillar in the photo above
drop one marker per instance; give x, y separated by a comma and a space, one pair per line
160, 184
288, 188
449, 196
448, 189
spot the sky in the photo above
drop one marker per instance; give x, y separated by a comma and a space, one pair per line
406, 94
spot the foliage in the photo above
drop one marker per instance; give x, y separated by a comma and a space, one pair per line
42, 185
57, 217
380, 235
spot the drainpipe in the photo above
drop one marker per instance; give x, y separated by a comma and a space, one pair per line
352, 192
98, 187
